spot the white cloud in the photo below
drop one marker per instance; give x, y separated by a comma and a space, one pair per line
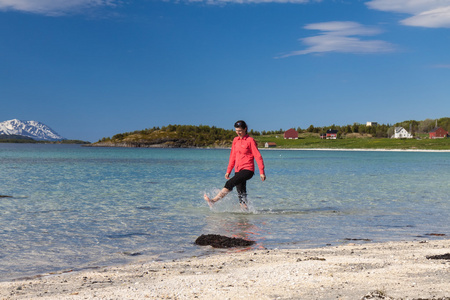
53, 7
342, 37
426, 13
343, 28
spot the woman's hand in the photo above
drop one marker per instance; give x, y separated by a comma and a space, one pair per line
263, 177
227, 176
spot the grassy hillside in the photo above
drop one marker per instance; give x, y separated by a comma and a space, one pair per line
313, 141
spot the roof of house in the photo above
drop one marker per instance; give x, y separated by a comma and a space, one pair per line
437, 128
291, 133
292, 130
398, 129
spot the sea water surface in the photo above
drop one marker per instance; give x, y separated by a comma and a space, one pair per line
76, 207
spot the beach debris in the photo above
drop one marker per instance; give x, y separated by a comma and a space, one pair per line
311, 258
377, 295
220, 241
443, 298
443, 256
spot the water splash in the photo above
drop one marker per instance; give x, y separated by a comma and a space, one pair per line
230, 203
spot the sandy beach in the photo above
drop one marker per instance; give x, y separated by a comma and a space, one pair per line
393, 270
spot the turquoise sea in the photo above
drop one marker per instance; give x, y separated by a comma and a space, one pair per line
76, 207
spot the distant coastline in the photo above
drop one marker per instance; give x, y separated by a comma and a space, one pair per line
188, 136
32, 141
165, 146
305, 142
356, 149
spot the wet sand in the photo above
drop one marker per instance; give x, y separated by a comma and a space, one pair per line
393, 270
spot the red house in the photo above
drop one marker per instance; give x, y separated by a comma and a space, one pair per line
331, 134
291, 134
438, 133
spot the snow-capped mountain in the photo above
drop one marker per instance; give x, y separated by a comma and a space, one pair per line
32, 129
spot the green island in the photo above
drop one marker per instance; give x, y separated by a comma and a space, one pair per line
356, 136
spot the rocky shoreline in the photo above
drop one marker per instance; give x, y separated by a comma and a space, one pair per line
155, 144
166, 143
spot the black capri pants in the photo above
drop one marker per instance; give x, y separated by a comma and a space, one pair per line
239, 180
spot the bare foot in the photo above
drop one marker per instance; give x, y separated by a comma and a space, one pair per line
209, 201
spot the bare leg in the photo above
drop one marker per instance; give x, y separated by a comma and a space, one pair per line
219, 196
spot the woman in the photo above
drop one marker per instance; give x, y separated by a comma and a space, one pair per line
243, 153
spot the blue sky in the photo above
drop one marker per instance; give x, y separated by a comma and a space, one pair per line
93, 68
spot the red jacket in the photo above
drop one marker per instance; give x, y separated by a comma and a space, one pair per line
243, 153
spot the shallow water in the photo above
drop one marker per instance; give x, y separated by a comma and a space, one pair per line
76, 207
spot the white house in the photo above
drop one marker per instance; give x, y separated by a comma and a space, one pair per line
401, 133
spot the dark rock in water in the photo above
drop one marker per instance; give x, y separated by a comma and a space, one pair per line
127, 253
220, 241
443, 256
436, 234
146, 207
5, 196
